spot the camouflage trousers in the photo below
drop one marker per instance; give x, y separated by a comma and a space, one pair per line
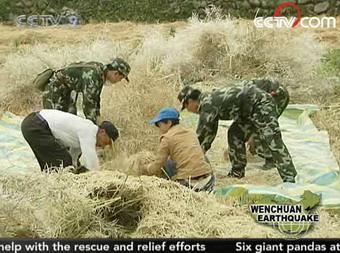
281, 100
263, 121
60, 97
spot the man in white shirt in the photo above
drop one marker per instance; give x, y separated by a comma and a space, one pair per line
59, 138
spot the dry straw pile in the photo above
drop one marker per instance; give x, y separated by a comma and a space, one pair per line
110, 204
215, 50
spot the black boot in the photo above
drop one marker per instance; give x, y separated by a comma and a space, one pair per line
269, 164
236, 173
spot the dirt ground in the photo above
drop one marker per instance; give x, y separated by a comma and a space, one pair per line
331, 37
13, 38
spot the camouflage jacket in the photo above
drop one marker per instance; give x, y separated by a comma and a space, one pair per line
85, 77
232, 103
278, 92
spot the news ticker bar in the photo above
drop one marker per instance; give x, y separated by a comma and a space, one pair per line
9, 245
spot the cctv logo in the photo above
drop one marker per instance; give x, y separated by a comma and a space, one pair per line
46, 20
278, 21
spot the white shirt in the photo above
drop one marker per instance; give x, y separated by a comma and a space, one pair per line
76, 133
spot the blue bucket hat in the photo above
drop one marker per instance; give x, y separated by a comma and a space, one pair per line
167, 113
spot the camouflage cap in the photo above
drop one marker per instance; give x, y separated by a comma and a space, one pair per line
122, 66
184, 95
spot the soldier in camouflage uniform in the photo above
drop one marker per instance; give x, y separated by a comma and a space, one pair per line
61, 92
253, 111
281, 98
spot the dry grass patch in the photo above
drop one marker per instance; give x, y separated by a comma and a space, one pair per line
110, 204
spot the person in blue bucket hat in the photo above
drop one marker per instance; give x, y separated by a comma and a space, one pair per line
180, 155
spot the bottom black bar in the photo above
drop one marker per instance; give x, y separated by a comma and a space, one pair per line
9, 245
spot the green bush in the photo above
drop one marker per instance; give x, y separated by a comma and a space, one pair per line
4, 10
331, 62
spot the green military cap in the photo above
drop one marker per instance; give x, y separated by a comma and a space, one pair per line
184, 95
122, 66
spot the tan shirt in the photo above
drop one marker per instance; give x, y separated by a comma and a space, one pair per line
182, 147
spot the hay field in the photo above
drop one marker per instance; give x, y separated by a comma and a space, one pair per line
210, 53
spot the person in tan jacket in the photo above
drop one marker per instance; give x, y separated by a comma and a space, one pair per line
180, 154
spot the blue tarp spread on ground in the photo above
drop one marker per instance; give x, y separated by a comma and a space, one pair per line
317, 168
